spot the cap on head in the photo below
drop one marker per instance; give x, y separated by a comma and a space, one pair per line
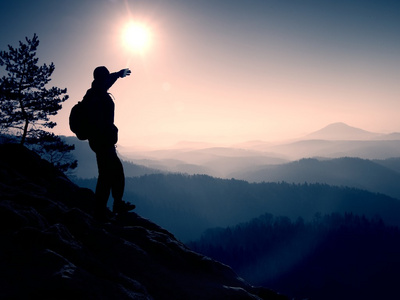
100, 73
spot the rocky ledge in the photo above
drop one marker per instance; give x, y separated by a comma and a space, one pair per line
52, 248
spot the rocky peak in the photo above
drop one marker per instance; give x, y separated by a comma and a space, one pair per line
52, 248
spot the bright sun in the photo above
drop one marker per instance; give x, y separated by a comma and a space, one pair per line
136, 37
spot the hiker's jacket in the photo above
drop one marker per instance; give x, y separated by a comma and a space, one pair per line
101, 112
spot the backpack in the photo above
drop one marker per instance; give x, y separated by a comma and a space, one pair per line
79, 120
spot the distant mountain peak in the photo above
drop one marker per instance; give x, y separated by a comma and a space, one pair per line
339, 124
341, 131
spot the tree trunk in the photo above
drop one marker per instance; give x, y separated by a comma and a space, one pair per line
25, 132
25, 115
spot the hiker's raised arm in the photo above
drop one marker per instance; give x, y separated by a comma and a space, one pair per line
112, 78
124, 72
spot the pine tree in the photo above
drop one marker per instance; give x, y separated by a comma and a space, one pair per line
26, 104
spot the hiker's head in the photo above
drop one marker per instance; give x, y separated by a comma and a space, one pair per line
101, 73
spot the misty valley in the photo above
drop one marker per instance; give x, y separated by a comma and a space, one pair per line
320, 226
299, 239
187, 205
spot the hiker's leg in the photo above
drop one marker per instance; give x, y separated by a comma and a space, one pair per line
118, 178
104, 180
118, 185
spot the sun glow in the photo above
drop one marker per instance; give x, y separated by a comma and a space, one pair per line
136, 37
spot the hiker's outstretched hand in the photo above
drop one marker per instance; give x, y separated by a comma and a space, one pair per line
124, 72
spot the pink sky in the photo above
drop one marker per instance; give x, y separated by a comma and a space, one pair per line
223, 73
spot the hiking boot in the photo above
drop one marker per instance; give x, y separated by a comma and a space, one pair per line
122, 207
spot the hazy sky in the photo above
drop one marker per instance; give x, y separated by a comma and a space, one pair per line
223, 70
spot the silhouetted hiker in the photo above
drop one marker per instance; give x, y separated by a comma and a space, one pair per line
102, 140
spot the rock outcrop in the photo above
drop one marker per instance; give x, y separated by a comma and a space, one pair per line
52, 248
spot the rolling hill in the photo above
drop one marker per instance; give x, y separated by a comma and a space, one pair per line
374, 176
